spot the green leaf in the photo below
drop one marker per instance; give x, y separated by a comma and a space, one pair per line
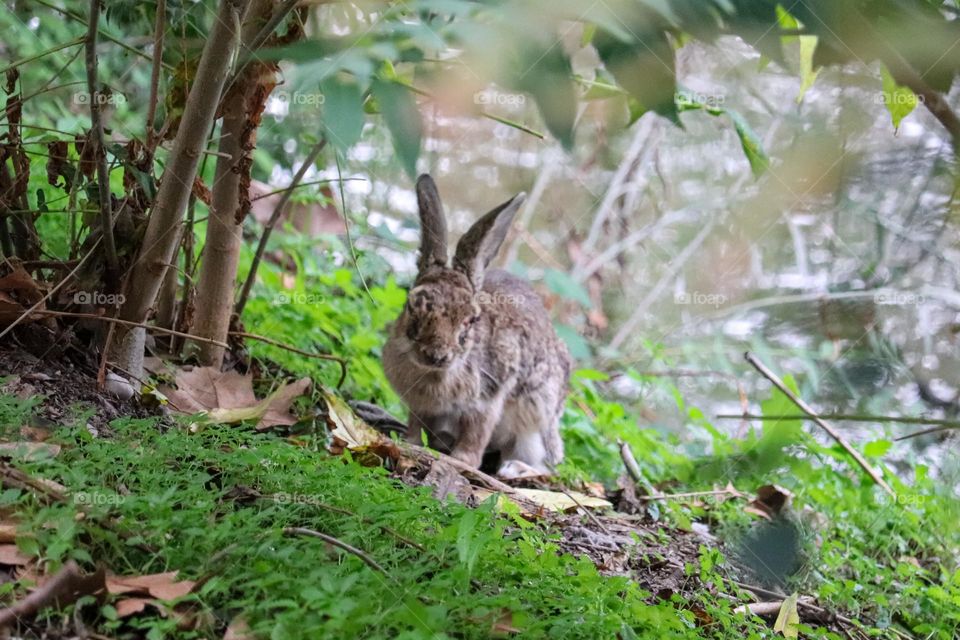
751, 143
642, 65
900, 100
342, 111
808, 46
877, 448
563, 285
399, 109
547, 76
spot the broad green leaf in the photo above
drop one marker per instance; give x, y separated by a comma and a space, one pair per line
643, 66
877, 448
547, 76
400, 112
342, 111
900, 100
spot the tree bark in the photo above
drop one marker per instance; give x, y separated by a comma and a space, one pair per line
221, 252
162, 234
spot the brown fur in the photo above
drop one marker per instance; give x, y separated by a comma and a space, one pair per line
474, 354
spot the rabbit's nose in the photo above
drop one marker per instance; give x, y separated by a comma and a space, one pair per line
436, 360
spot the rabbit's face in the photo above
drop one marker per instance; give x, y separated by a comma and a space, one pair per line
440, 321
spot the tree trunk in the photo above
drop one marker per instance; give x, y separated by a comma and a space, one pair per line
163, 229
221, 252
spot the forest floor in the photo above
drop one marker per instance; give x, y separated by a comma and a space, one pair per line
121, 521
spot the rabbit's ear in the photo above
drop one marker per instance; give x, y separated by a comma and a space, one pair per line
433, 226
480, 243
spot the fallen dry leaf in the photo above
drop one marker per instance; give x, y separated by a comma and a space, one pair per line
547, 500
238, 630
130, 606
162, 586
227, 397
12, 556
8, 532
29, 451
347, 429
788, 620
770, 501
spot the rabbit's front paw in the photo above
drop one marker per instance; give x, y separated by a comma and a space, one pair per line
515, 469
471, 458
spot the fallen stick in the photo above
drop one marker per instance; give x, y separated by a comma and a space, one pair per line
292, 349
126, 323
370, 562
66, 586
803, 406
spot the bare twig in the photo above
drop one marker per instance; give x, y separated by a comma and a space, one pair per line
322, 356
65, 587
926, 432
803, 406
589, 513
99, 149
39, 303
274, 218
630, 462
158, 32
844, 417
127, 323
370, 562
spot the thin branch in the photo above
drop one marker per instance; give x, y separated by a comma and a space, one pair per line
803, 406
117, 41
370, 562
845, 417
52, 291
128, 323
158, 32
274, 218
37, 56
926, 432
65, 587
305, 184
287, 347
99, 150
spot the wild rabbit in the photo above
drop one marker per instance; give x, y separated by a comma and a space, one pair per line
473, 354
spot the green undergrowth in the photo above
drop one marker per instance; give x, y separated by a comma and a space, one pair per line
213, 504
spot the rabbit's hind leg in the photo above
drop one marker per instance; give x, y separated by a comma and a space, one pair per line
524, 453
